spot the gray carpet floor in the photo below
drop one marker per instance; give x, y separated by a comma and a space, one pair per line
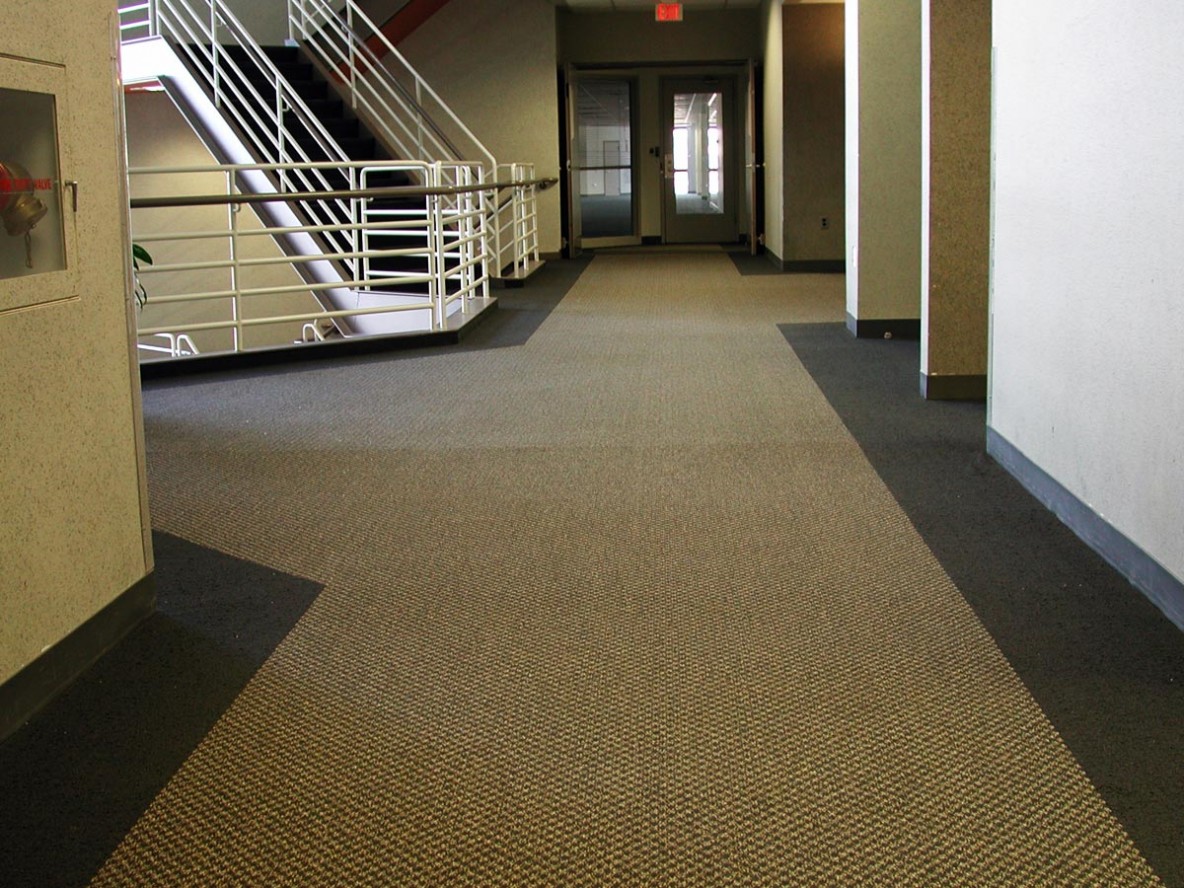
625, 604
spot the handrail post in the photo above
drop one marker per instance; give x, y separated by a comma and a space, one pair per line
279, 121
419, 119
435, 202
353, 56
235, 282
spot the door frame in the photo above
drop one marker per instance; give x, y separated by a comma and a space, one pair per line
647, 136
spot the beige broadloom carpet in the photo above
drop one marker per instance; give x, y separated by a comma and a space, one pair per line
625, 605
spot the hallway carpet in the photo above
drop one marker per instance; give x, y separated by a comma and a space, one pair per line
625, 604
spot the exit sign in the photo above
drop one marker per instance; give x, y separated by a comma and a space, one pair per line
668, 12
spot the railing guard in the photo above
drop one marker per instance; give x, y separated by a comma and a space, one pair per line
448, 235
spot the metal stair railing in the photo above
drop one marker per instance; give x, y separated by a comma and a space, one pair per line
399, 103
403, 109
200, 32
209, 271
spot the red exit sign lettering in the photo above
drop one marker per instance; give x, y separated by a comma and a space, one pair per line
668, 12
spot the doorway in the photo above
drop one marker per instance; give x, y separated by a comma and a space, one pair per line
657, 155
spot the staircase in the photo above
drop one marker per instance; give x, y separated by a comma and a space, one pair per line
277, 114
358, 144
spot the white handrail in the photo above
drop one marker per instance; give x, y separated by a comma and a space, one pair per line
446, 236
197, 30
400, 118
340, 37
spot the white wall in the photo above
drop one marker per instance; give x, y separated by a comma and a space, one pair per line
851, 140
1087, 351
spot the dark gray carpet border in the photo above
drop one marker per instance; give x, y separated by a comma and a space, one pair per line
79, 775
1104, 664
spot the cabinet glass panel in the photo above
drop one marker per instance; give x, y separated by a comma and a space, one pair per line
32, 239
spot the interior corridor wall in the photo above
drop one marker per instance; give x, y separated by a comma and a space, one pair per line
265, 20
814, 139
494, 63
883, 136
74, 534
1087, 335
773, 124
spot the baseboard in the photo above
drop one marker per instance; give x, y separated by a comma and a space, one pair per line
47, 676
884, 328
548, 257
1140, 569
972, 387
815, 266
774, 260
651, 240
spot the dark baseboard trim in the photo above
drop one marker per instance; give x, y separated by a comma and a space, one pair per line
884, 328
551, 257
815, 266
651, 240
52, 672
1140, 569
972, 387
774, 260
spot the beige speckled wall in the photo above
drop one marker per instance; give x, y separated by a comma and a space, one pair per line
494, 62
886, 151
814, 131
954, 316
72, 515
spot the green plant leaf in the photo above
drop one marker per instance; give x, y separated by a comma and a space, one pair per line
140, 254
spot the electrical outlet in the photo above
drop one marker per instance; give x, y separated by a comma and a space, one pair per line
825, 223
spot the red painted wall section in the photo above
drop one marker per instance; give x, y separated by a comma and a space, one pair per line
404, 22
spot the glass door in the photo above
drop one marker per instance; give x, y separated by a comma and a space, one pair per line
698, 161
602, 162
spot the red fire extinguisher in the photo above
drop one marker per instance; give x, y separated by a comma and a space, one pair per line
19, 206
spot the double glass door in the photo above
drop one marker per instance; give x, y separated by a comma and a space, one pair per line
650, 153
